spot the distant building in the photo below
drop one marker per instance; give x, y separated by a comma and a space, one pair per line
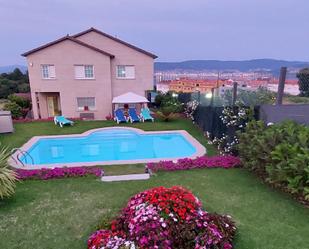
187, 85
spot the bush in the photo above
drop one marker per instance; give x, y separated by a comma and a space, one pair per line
64, 172
197, 163
165, 218
250, 98
167, 99
167, 113
7, 175
303, 82
279, 153
22, 102
14, 108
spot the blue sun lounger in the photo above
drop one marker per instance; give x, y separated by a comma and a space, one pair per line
145, 115
133, 115
61, 120
119, 116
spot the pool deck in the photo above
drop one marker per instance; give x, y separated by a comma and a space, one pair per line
14, 162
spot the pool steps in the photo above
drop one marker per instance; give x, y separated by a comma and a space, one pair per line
125, 177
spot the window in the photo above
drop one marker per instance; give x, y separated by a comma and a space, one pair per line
86, 103
125, 72
88, 71
84, 72
48, 71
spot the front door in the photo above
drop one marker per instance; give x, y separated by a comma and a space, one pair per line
53, 106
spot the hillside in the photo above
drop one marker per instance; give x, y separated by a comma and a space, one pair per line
10, 68
216, 65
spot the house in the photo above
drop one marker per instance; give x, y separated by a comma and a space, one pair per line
79, 75
188, 85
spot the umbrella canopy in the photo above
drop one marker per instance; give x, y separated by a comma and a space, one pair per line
129, 98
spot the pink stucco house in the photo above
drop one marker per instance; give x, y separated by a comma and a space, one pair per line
79, 75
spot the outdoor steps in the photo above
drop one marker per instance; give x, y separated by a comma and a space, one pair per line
125, 177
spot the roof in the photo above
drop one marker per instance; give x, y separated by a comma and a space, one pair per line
116, 40
129, 98
70, 38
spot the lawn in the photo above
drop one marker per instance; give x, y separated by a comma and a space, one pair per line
62, 213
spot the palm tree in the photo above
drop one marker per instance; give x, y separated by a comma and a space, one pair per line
8, 176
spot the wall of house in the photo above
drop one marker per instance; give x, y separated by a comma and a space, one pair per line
124, 55
64, 56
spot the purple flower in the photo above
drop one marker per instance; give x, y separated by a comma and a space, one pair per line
226, 162
45, 174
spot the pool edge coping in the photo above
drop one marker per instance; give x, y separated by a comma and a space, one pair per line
14, 162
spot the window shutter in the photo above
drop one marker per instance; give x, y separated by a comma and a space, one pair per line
79, 72
130, 72
51, 71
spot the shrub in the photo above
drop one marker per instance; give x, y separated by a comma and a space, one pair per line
167, 113
167, 99
165, 218
197, 163
250, 98
279, 153
14, 108
303, 82
46, 174
7, 175
22, 102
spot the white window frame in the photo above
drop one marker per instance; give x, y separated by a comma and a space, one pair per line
51, 73
84, 76
125, 76
82, 108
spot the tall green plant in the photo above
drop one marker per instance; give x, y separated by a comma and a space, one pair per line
279, 153
8, 176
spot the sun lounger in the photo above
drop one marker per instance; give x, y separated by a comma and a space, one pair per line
133, 115
145, 115
119, 116
61, 120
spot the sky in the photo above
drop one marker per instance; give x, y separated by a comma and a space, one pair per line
175, 30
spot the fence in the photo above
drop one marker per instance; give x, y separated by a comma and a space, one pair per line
208, 119
279, 113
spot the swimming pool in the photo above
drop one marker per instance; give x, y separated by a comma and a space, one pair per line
116, 145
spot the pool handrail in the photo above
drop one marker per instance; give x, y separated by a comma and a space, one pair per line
23, 153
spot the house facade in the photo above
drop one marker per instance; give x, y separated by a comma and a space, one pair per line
78, 76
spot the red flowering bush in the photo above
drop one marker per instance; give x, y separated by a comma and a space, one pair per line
165, 218
226, 162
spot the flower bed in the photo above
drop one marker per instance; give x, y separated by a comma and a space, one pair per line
45, 174
165, 218
226, 162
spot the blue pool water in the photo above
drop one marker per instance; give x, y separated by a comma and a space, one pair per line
109, 145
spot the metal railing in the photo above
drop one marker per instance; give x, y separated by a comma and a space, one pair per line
23, 153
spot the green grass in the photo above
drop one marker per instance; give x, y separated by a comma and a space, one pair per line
62, 213
110, 170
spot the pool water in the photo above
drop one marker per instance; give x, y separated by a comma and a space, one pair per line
109, 145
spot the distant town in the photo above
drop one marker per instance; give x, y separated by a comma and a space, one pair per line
204, 82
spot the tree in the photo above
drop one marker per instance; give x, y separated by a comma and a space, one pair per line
303, 82
13, 82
